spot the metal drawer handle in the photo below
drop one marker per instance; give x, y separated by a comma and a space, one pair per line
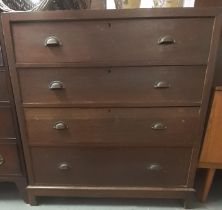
158, 126
56, 85
60, 126
52, 41
166, 40
162, 84
154, 167
2, 160
64, 166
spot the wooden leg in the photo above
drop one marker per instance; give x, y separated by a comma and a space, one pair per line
205, 185
32, 199
188, 201
21, 185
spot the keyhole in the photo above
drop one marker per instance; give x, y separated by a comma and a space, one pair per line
109, 25
109, 71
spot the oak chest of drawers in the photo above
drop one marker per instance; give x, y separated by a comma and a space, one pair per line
12, 167
112, 103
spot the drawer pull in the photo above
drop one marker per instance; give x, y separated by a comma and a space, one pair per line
166, 40
52, 41
162, 84
64, 166
153, 167
2, 160
56, 85
60, 126
158, 126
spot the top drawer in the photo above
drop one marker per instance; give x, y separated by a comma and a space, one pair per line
114, 42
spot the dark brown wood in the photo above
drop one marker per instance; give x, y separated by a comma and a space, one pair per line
188, 201
16, 92
4, 94
10, 160
108, 86
107, 192
111, 166
1, 56
22, 184
111, 41
218, 72
130, 126
129, 45
7, 130
208, 3
206, 93
20, 181
12, 167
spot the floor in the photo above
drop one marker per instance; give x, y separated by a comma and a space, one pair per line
9, 200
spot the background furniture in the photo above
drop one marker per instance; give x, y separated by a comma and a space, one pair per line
211, 156
12, 167
109, 102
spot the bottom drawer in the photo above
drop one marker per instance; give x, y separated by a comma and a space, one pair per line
9, 160
111, 166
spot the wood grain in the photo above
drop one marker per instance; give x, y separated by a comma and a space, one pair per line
88, 48
111, 166
112, 126
212, 146
111, 41
129, 86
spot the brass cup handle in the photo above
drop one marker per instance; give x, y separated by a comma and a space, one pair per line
60, 126
52, 41
64, 166
56, 85
162, 84
158, 126
154, 167
2, 160
166, 40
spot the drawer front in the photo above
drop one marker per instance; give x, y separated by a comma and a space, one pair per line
9, 159
111, 166
132, 126
4, 94
134, 86
7, 130
151, 41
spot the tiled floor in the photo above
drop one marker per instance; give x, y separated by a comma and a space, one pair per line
9, 200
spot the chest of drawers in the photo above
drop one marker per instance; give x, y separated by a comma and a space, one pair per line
112, 103
12, 167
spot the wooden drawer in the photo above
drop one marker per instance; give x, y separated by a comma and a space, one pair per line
132, 126
7, 130
111, 166
134, 86
4, 94
114, 42
212, 145
9, 160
